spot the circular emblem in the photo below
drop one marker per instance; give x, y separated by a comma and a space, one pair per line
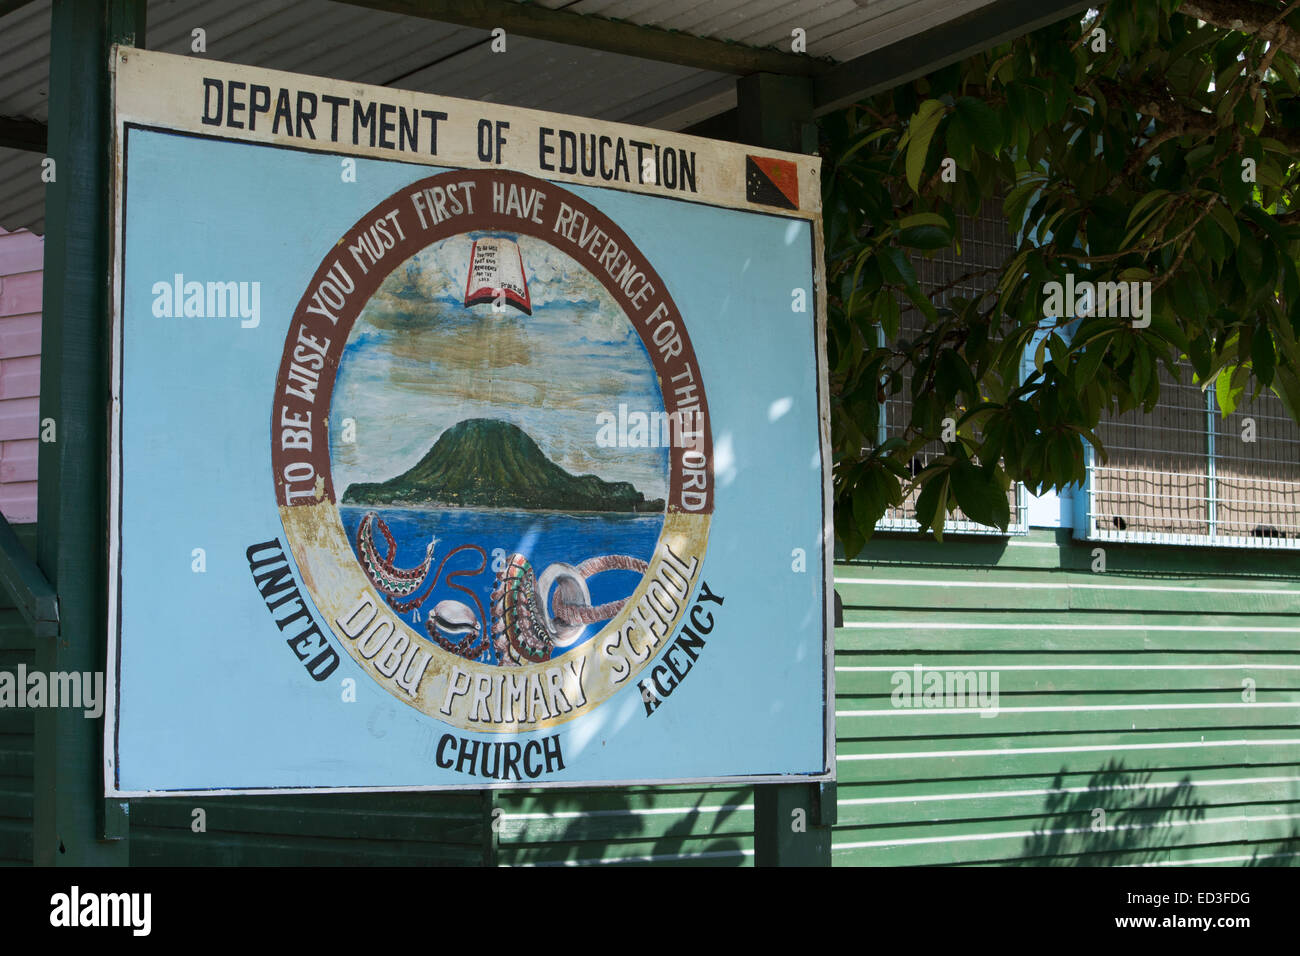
491, 451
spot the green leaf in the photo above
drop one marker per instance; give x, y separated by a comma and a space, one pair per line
1250, 258
957, 140
1226, 221
1017, 202
865, 141
932, 504
869, 501
923, 219
1225, 393
919, 133
1262, 357
1235, 189
888, 313
980, 496
954, 371
1064, 452
897, 268
1145, 203
925, 237
983, 123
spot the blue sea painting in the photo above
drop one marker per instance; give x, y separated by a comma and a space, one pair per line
542, 537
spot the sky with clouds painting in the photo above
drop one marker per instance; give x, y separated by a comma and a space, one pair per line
418, 361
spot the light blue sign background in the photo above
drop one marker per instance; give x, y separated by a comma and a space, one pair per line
210, 694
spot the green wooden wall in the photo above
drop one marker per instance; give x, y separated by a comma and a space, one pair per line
16, 731
635, 826
387, 829
1120, 691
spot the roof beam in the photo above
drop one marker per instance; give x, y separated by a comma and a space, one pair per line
27, 134
936, 48
26, 585
9, 6
611, 36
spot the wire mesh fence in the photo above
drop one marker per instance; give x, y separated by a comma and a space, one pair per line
1181, 474
985, 244
1185, 474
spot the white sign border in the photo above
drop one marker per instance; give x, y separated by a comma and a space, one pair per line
137, 73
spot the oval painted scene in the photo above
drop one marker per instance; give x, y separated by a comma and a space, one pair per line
499, 448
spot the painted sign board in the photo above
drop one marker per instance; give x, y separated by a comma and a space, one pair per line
458, 445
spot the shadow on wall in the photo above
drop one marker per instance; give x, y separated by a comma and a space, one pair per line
629, 826
1285, 853
1118, 817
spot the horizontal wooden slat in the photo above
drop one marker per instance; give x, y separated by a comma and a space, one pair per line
19, 418
1132, 838
1121, 690
1120, 646
435, 819
861, 805
15, 804
1046, 549
732, 850
706, 821
885, 678
168, 847
20, 294
21, 252
16, 841
926, 588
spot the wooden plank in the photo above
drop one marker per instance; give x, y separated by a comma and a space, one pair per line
26, 585
173, 848
9, 6
926, 725
1113, 791
1047, 549
1073, 634
20, 377
16, 842
705, 822
1101, 773
731, 850
911, 588
72, 506
914, 591
355, 821
19, 500
622, 800
17, 461
876, 687
18, 132
18, 419
17, 721
1144, 841
15, 804
20, 251
20, 294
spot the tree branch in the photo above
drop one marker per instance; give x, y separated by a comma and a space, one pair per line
1245, 17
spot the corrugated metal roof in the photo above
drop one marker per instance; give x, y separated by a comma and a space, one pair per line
354, 43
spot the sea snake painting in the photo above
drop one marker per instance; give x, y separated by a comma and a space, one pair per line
479, 501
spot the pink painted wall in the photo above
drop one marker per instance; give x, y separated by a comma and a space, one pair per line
21, 256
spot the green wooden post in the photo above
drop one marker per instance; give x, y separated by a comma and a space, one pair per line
73, 824
792, 821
